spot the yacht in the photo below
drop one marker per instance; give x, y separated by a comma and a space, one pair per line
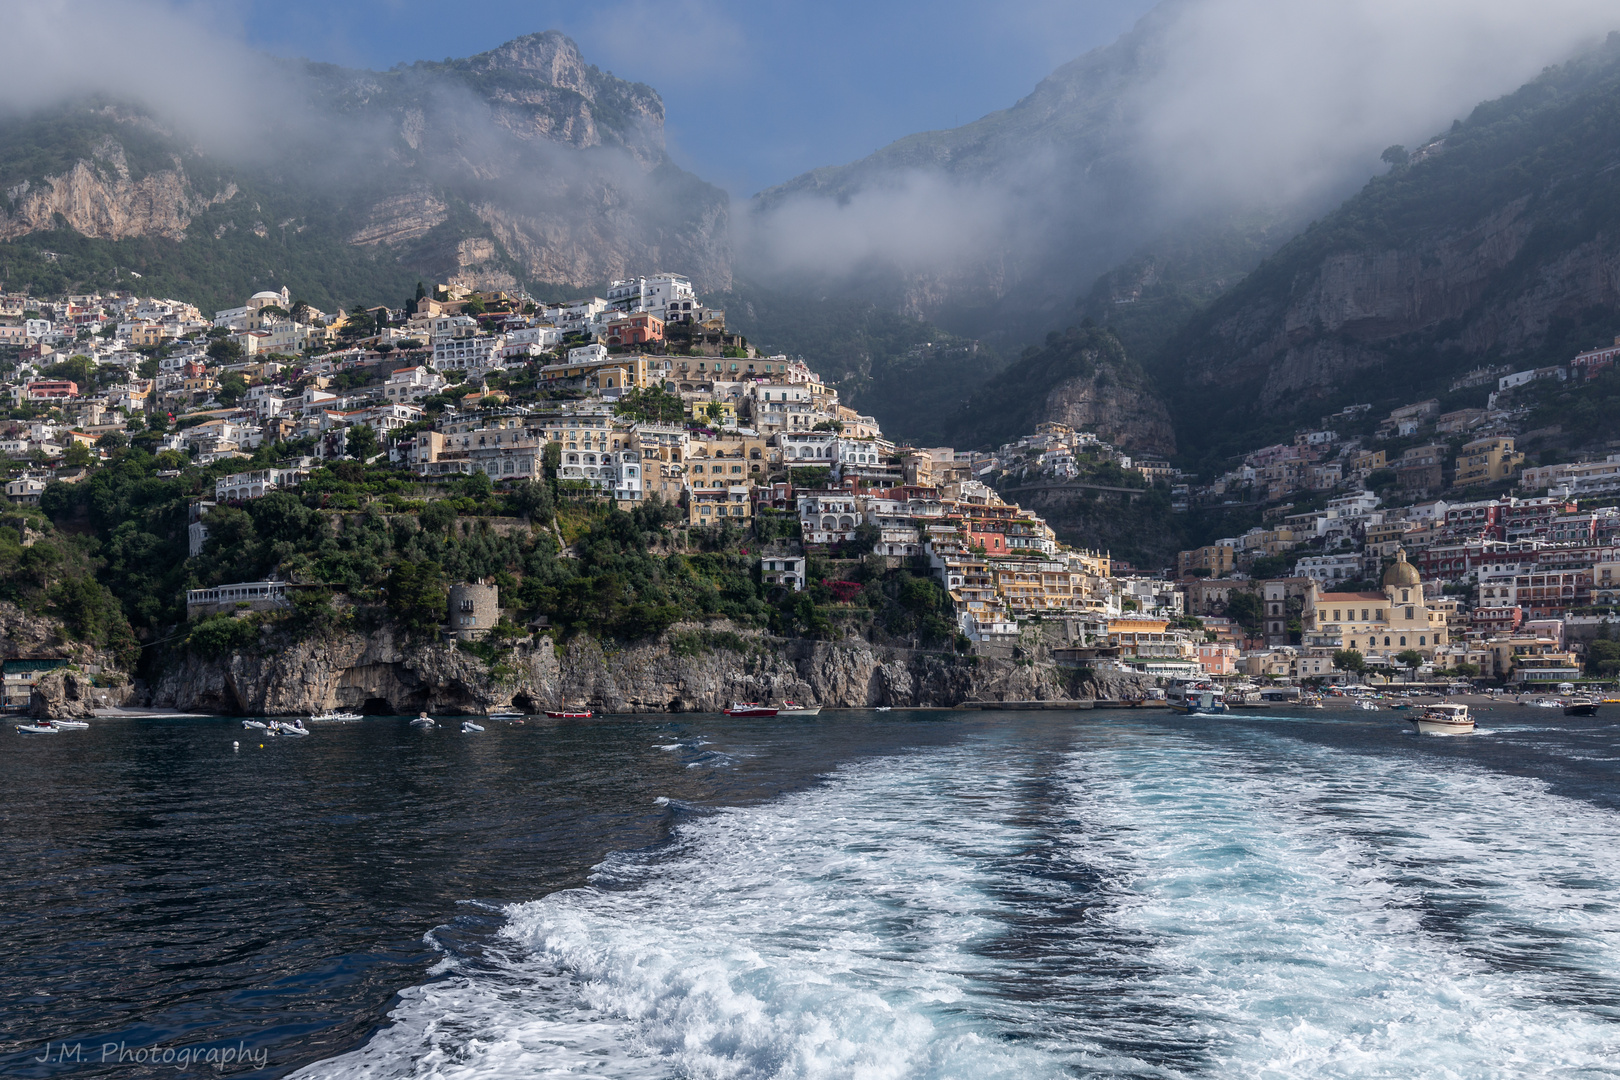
336, 716
793, 708
1443, 718
1581, 707
750, 708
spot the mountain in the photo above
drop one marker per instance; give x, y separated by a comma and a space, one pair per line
522, 165
1041, 199
1083, 377
1498, 241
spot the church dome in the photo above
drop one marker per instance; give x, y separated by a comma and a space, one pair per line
1401, 574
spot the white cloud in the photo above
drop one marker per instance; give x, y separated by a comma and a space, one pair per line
1282, 99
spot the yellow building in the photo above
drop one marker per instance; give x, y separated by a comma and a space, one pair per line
1379, 624
1218, 559
1485, 461
614, 373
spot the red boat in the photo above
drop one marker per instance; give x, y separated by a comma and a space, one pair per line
750, 708
586, 715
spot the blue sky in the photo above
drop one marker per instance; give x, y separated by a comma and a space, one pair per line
755, 92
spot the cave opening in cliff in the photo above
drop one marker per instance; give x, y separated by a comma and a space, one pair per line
377, 706
524, 703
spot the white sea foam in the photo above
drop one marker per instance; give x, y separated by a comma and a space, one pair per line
1334, 914
1181, 906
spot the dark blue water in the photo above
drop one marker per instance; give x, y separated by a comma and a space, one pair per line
1024, 894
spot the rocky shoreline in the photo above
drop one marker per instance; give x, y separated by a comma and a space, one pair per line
382, 672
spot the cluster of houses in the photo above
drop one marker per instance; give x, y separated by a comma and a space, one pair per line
644, 395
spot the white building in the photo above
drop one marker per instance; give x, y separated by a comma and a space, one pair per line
259, 482
412, 384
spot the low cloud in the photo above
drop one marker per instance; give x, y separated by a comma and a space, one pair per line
1274, 100
1236, 105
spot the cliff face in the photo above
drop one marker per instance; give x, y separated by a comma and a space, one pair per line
1083, 378
382, 674
1121, 411
1499, 241
101, 201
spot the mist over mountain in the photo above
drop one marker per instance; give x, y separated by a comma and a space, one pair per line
1497, 242
523, 164
1257, 113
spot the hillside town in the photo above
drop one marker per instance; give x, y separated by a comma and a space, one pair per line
1421, 550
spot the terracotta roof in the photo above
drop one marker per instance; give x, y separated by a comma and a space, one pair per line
1345, 597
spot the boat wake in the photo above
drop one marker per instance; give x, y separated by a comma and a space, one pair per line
1227, 903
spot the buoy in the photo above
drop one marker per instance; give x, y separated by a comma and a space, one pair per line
236, 746
261, 746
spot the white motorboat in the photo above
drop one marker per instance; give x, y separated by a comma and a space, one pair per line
793, 708
336, 717
1545, 703
1368, 706
260, 724
883, 708
1444, 718
423, 720
469, 726
505, 714
284, 727
38, 727
70, 725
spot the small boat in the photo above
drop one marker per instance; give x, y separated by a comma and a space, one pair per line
284, 727
1581, 707
1443, 718
883, 708
1198, 703
38, 727
468, 726
70, 725
565, 714
336, 717
423, 720
260, 724
1367, 706
1544, 703
749, 708
507, 715
793, 708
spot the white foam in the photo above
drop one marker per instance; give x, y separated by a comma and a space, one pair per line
1334, 914
1232, 903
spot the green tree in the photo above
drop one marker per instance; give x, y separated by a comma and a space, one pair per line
1349, 660
1410, 658
224, 351
231, 387
1247, 610
360, 442
78, 455
417, 595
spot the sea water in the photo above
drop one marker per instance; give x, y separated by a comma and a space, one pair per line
1037, 895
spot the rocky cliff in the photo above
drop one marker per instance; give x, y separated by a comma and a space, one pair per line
1498, 240
1083, 378
380, 673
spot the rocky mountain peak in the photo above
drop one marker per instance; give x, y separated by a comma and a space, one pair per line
550, 57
